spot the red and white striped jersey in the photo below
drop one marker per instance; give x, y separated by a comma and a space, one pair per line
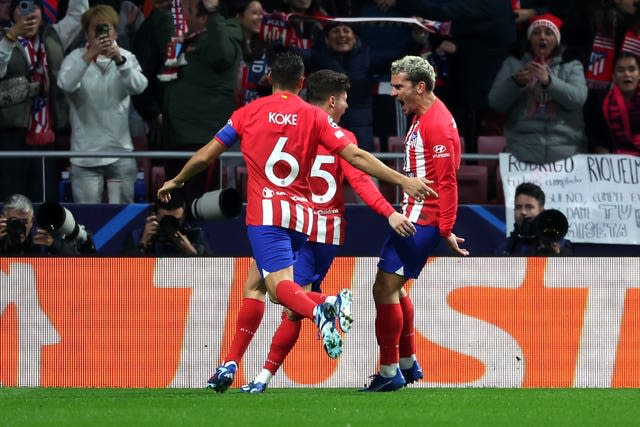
432, 150
326, 179
279, 136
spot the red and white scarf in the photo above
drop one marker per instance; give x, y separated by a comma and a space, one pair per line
40, 132
631, 43
600, 68
178, 18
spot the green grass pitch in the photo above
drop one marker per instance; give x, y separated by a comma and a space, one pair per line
318, 407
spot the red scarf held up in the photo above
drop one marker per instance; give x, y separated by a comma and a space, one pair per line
39, 132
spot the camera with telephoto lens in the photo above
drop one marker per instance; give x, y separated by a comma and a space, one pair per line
167, 228
551, 226
58, 220
217, 205
16, 227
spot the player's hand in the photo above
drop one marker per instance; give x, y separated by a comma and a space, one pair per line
401, 224
418, 188
453, 242
42, 238
163, 192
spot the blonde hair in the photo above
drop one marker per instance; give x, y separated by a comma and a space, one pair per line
101, 12
417, 69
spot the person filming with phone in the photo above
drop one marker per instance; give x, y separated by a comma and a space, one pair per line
33, 109
99, 80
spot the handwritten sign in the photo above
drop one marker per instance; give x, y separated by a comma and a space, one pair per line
599, 194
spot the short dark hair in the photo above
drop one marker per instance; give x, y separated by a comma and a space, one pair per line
325, 83
287, 68
532, 190
177, 200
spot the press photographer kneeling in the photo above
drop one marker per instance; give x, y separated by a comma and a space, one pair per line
57, 233
536, 232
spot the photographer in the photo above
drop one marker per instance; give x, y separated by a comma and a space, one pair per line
17, 239
168, 232
536, 232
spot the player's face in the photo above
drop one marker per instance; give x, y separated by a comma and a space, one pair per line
526, 207
339, 107
252, 17
626, 75
404, 91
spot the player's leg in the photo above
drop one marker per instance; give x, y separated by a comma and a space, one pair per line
401, 259
247, 323
409, 366
274, 250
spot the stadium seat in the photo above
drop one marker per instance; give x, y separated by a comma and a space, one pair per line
472, 184
395, 144
241, 181
492, 144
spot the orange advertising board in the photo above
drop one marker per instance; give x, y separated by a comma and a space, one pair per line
167, 322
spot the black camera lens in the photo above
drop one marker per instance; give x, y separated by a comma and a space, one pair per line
167, 227
16, 226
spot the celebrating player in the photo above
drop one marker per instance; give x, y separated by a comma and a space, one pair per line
432, 150
328, 90
279, 137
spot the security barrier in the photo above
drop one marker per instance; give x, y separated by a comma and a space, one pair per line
480, 322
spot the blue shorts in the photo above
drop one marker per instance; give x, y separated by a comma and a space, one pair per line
406, 256
313, 263
274, 248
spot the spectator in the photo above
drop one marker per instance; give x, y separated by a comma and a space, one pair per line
254, 68
542, 97
99, 80
167, 231
621, 107
293, 31
17, 239
526, 239
200, 101
33, 49
343, 52
149, 47
484, 31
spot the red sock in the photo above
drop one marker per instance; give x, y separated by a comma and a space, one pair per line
247, 323
317, 297
388, 329
295, 298
282, 342
407, 337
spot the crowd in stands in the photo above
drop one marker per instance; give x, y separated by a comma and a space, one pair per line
551, 78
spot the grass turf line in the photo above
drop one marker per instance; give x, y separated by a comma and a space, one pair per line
317, 407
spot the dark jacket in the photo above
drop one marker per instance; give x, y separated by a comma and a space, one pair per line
158, 247
201, 100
